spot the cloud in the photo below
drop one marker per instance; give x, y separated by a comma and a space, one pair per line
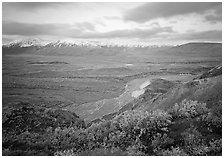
31, 6
216, 16
210, 35
28, 29
213, 18
149, 11
111, 17
213, 35
6, 40
134, 33
77, 30
85, 26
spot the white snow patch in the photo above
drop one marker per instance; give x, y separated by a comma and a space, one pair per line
137, 93
128, 64
145, 84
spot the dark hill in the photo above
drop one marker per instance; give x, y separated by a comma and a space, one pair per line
26, 117
19, 50
216, 71
207, 89
29, 130
203, 49
163, 94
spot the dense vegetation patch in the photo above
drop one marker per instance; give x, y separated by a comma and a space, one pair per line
189, 128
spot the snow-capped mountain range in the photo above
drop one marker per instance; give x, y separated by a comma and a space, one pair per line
26, 43
69, 43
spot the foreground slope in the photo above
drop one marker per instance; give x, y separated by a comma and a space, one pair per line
164, 94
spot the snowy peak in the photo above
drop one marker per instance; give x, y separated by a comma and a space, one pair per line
68, 44
72, 43
26, 43
64, 43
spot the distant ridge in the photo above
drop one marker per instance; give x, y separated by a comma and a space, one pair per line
203, 48
28, 42
69, 43
199, 43
37, 42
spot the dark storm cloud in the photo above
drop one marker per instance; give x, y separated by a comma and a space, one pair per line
149, 11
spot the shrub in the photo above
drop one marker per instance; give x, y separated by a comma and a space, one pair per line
144, 127
94, 152
174, 151
189, 109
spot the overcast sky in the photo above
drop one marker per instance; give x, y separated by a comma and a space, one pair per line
155, 23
